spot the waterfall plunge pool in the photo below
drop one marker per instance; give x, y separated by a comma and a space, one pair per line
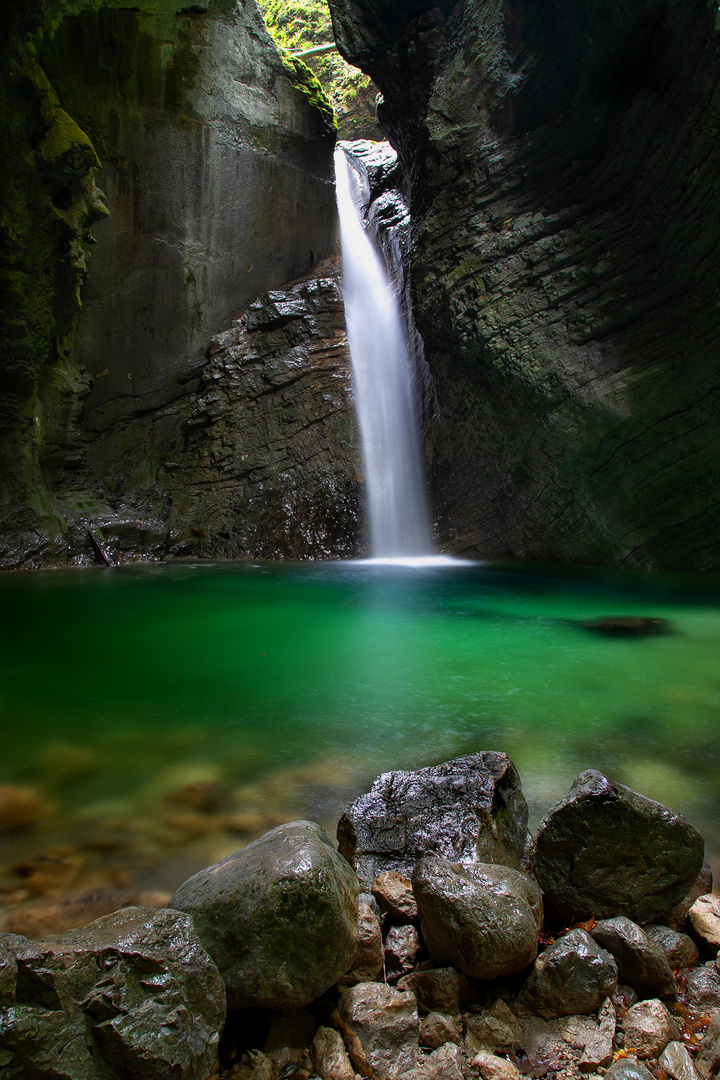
165, 715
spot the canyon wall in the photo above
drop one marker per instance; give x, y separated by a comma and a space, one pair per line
562, 164
202, 161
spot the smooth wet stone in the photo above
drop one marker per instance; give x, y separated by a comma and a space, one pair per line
369, 950
443, 990
573, 976
402, 946
648, 1028
133, 994
482, 919
439, 1028
702, 987
471, 809
491, 1067
641, 964
278, 917
386, 1023
605, 851
329, 1056
704, 918
677, 1063
393, 892
628, 1069
680, 950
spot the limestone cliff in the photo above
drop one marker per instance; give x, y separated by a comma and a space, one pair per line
562, 162
215, 160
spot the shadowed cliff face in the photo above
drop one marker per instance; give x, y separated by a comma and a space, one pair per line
216, 167
563, 162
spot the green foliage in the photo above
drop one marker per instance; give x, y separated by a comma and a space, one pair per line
303, 24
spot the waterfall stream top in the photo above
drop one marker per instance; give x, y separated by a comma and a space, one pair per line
399, 524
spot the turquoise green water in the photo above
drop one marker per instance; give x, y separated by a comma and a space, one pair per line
293, 685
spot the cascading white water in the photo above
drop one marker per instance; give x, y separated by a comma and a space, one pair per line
384, 388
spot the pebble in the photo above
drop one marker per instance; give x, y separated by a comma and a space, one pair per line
677, 1063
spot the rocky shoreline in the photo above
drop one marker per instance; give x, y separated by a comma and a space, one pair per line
440, 942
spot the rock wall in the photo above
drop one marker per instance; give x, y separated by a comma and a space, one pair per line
215, 159
561, 162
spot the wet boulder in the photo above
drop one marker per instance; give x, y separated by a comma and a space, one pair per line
133, 994
482, 919
443, 990
641, 963
471, 809
605, 850
680, 950
573, 976
649, 1027
279, 917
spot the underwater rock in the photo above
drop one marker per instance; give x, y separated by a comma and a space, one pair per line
55, 916
482, 919
627, 625
386, 1023
471, 809
641, 964
131, 995
20, 808
605, 850
573, 976
279, 917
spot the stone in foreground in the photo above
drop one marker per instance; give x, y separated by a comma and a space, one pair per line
386, 1023
278, 917
605, 850
133, 994
641, 963
572, 977
649, 1027
482, 919
705, 920
628, 1069
471, 809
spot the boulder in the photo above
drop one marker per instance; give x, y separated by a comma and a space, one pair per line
386, 1023
648, 1028
279, 917
402, 946
439, 1028
133, 994
680, 950
442, 990
573, 976
704, 918
482, 919
702, 987
641, 964
605, 850
369, 952
393, 892
471, 809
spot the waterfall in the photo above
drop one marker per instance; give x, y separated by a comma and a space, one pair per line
399, 522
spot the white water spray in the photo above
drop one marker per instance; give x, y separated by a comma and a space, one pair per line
384, 388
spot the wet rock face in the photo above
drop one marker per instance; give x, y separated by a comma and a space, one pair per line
217, 174
133, 994
471, 809
555, 305
277, 917
482, 919
605, 851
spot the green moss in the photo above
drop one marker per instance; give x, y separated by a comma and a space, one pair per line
302, 77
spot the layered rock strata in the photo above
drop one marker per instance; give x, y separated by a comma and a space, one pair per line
565, 270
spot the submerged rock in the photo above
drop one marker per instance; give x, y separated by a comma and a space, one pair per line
471, 809
482, 919
279, 917
573, 976
605, 850
131, 995
627, 625
20, 807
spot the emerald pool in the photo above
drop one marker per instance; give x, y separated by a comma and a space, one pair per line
166, 714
